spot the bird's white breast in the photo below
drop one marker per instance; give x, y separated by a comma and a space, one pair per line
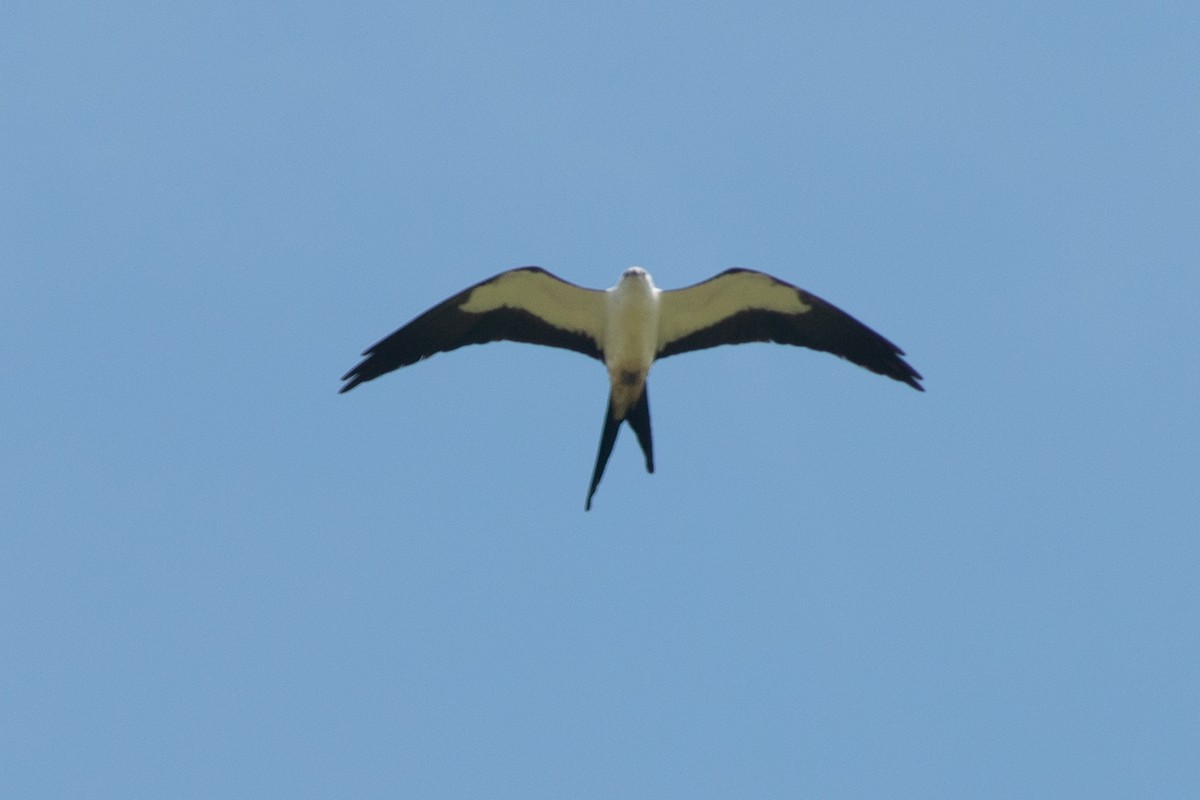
630, 334
631, 324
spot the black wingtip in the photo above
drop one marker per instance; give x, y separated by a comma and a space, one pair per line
358, 373
354, 377
908, 374
911, 377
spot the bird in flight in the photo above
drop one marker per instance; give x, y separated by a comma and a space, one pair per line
628, 328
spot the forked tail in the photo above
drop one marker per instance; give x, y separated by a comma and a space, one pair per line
638, 419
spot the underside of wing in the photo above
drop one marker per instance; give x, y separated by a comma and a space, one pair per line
522, 305
740, 306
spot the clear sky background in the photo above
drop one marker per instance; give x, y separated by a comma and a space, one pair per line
220, 579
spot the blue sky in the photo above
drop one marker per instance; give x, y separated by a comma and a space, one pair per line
221, 579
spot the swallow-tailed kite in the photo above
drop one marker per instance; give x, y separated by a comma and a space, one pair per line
628, 327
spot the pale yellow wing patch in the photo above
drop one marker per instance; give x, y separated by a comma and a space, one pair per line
703, 305
561, 304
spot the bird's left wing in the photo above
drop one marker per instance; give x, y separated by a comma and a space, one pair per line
742, 305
